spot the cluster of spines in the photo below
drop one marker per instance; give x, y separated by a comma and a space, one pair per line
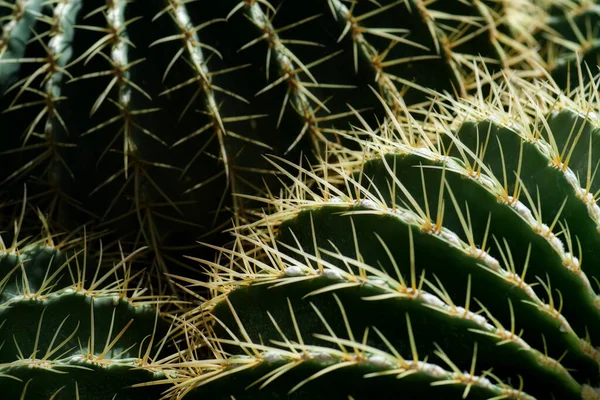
282, 355
136, 178
16, 19
451, 33
192, 47
159, 178
470, 164
264, 366
324, 239
569, 38
124, 94
298, 96
52, 72
72, 324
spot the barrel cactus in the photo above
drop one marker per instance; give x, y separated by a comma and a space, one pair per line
149, 118
73, 327
466, 268
445, 248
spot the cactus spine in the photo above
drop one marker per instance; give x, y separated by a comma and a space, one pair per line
569, 40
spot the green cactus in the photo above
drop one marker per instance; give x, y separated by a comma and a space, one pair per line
570, 39
72, 327
148, 118
466, 268
445, 248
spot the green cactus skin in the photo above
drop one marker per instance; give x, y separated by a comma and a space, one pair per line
15, 34
132, 115
73, 330
468, 265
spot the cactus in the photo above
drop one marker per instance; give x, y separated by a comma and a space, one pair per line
465, 268
570, 39
132, 116
73, 327
448, 252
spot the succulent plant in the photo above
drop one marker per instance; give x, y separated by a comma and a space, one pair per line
445, 247
149, 118
466, 268
72, 327
569, 38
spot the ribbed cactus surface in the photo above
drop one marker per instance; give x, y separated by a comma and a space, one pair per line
444, 244
462, 269
72, 327
144, 117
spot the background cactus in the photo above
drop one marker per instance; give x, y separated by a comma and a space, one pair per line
73, 327
570, 38
467, 267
